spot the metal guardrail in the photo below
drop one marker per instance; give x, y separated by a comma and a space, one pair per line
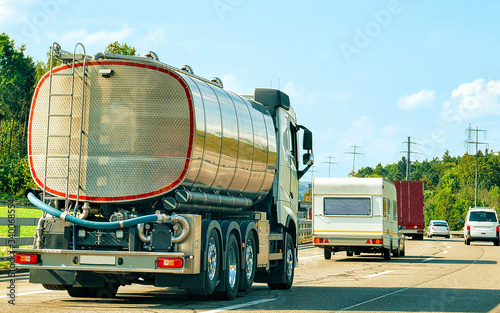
305, 230
17, 203
457, 234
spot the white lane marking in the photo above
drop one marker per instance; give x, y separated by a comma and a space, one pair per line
428, 259
378, 274
311, 257
449, 247
27, 293
445, 251
238, 306
374, 299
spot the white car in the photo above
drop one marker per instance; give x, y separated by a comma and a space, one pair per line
438, 228
481, 224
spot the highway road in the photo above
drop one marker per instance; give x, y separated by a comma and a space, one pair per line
436, 275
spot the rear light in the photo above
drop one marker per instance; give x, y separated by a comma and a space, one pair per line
26, 258
468, 227
498, 231
318, 240
169, 262
377, 241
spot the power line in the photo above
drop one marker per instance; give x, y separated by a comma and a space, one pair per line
408, 161
330, 162
354, 153
470, 130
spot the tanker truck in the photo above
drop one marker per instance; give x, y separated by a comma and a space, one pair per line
149, 174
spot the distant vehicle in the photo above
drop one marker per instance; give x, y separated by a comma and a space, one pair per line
481, 224
438, 228
356, 215
411, 208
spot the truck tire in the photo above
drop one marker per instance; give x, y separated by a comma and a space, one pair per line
79, 292
212, 259
403, 252
232, 271
467, 242
107, 292
250, 257
55, 287
387, 253
328, 254
286, 266
349, 253
497, 243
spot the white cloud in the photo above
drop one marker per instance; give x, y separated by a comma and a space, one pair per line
153, 38
299, 96
101, 38
471, 100
423, 98
7, 11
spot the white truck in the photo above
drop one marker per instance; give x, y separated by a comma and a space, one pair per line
356, 215
150, 174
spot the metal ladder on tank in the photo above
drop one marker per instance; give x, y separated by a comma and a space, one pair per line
56, 51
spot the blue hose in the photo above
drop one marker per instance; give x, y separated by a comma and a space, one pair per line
90, 224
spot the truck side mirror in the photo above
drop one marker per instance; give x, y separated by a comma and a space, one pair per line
308, 159
307, 143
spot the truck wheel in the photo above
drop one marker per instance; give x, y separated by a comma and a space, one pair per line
328, 254
55, 287
232, 271
287, 266
497, 243
250, 255
397, 253
79, 292
350, 253
387, 254
108, 291
467, 242
212, 266
403, 252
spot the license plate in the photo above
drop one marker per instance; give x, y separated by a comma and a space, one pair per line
97, 260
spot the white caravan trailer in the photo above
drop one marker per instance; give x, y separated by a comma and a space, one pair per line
356, 215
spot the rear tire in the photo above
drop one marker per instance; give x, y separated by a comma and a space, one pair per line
232, 271
467, 242
250, 255
79, 292
387, 254
350, 253
497, 243
328, 254
212, 259
287, 265
55, 287
107, 292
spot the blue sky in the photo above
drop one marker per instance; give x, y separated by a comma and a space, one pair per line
365, 73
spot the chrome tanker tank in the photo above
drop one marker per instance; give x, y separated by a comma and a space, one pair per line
139, 129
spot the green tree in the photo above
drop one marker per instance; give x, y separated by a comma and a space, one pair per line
17, 79
118, 48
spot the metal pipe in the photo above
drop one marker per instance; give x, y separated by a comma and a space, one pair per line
170, 203
85, 211
190, 197
96, 225
158, 217
185, 227
140, 230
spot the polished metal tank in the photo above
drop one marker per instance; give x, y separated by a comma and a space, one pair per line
148, 129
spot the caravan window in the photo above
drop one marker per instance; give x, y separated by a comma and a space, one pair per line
347, 206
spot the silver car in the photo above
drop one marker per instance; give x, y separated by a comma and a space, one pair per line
481, 224
438, 228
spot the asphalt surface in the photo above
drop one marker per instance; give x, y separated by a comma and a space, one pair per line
436, 275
